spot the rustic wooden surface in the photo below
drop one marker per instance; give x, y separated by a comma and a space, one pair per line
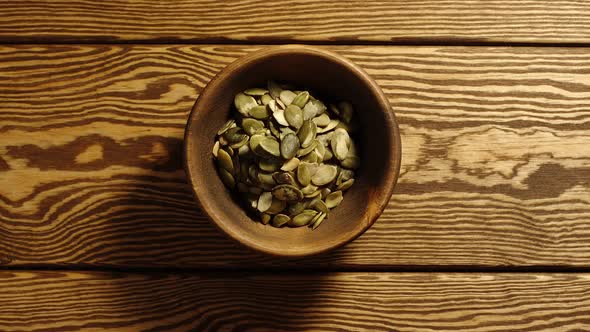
99, 231
425, 21
71, 301
495, 167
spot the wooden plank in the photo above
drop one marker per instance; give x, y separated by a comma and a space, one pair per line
73, 301
398, 21
495, 166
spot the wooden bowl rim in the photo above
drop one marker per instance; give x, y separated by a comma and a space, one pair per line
393, 166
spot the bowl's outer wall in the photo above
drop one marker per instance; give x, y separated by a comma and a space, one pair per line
330, 78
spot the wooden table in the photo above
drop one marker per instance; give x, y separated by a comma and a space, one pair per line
488, 229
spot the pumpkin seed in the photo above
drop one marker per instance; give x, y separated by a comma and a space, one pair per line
264, 201
272, 106
289, 146
273, 129
279, 115
277, 206
229, 124
268, 147
314, 194
311, 158
283, 178
307, 133
224, 160
265, 99
304, 174
308, 149
309, 189
318, 220
269, 165
252, 126
334, 199
287, 96
260, 112
234, 135
302, 218
345, 185
301, 99
331, 125
319, 205
324, 175
296, 208
244, 103
215, 148
227, 178
255, 140
274, 89
256, 91
265, 218
294, 116
266, 178
325, 192
290, 165
351, 162
280, 104
280, 220
321, 121
313, 108
286, 192
339, 143
328, 154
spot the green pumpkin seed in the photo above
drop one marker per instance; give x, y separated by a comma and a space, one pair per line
318, 220
289, 146
304, 173
346, 111
253, 173
273, 129
227, 178
296, 208
351, 162
269, 165
320, 151
215, 148
229, 124
314, 194
294, 116
345, 185
307, 133
286, 192
264, 201
287, 96
266, 178
272, 106
344, 175
260, 112
309, 189
268, 147
312, 109
274, 89
324, 175
255, 140
234, 135
256, 91
308, 149
280, 104
265, 218
290, 165
322, 120
277, 206
280, 219
325, 192
318, 205
311, 158
328, 154
252, 126
280, 118
244, 103
265, 99
303, 218
241, 143
334, 199
224, 160
283, 178
331, 125
339, 143
301, 99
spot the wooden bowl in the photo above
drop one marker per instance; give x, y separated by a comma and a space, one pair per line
330, 76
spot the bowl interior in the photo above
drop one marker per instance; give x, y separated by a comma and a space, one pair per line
329, 77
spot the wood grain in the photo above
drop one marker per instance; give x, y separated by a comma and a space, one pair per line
398, 21
495, 167
77, 301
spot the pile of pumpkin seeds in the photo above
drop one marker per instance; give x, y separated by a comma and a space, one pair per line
287, 155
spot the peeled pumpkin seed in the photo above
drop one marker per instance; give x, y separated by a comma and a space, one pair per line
244, 103
260, 112
283, 165
264, 201
303, 218
287, 96
294, 116
324, 175
300, 99
280, 220
286, 192
290, 165
334, 199
256, 91
289, 146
